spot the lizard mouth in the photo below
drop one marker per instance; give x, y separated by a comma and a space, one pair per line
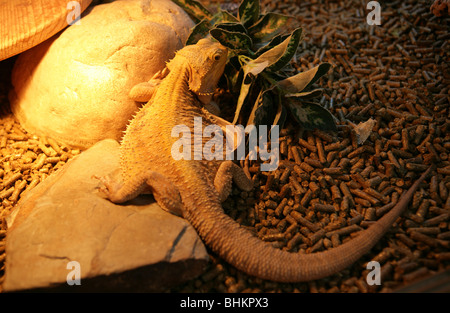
204, 97
197, 92
205, 93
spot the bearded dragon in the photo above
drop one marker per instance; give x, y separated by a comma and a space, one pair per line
195, 189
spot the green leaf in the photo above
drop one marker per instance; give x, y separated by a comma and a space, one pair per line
281, 115
249, 12
290, 47
225, 16
233, 77
277, 76
245, 88
270, 57
255, 67
269, 26
306, 95
250, 70
264, 47
262, 110
195, 9
232, 27
311, 115
232, 40
302, 81
199, 31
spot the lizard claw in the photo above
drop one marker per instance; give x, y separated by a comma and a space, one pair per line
104, 185
160, 74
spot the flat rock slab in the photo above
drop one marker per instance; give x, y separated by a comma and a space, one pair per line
132, 247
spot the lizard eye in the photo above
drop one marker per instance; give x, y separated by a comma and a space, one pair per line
217, 55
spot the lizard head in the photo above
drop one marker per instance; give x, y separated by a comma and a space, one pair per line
206, 62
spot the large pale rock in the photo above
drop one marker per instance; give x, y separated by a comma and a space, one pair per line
74, 87
132, 247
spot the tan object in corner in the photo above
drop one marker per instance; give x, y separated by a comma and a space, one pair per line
26, 23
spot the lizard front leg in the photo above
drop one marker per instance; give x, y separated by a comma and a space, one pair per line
226, 174
165, 193
143, 92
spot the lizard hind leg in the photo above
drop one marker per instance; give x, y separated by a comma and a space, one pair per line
226, 174
164, 192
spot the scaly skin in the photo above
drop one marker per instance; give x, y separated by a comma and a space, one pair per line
195, 189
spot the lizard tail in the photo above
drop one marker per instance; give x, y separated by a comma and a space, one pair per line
249, 254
